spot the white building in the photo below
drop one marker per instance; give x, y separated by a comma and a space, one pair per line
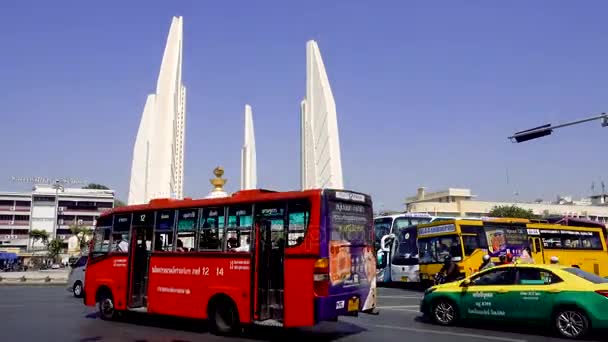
321, 164
157, 169
48, 209
461, 202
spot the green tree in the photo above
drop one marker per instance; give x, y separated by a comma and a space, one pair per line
96, 186
81, 232
511, 211
118, 203
55, 248
39, 235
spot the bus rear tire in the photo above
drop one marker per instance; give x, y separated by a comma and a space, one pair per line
223, 317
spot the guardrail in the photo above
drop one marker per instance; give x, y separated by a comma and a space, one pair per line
23, 280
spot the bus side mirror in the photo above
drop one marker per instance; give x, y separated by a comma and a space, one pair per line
386, 241
381, 259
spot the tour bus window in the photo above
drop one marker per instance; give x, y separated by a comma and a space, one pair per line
238, 229
120, 233
274, 212
571, 240
211, 233
163, 231
101, 238
435, 249
299, 217
186, 230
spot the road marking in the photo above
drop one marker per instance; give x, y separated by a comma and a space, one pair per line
398, 306
11, 306
441, 332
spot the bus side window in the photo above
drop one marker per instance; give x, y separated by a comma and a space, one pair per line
299, 217
120, 233
238, 228
163, 231
101, 245
187, 221
211, 233
274, 214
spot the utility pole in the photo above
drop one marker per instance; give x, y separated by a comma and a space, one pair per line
57, 186
544, 130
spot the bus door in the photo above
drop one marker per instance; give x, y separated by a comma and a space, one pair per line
268, 284
143, 231
536, 246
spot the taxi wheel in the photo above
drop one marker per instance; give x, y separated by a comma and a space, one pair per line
444, 312
571, 323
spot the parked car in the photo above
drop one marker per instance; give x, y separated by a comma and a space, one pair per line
76, 277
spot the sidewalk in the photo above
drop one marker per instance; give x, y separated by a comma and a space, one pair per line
47, 277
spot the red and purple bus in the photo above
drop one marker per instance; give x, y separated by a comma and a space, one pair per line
288, 259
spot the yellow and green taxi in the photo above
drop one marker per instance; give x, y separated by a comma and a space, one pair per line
566, 298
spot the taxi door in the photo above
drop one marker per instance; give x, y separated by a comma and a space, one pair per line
487, 295
534, 293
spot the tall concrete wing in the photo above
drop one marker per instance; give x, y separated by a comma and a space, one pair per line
157, 169
321, 164
248, 157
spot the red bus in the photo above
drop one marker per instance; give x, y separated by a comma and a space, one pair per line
288, 259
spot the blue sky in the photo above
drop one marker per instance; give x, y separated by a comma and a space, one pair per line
426, 91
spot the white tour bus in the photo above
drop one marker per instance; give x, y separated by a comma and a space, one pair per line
397, 247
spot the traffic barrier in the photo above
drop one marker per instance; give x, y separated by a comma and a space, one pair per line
32, 280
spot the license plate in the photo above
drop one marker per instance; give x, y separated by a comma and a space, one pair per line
404, 279
353, 304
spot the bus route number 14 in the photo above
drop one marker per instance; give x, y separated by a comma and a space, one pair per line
219, 271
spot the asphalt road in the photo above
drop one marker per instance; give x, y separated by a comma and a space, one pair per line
38, 313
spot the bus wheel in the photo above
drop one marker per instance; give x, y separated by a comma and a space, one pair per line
223, 317
571, 323
106, 306
444, 312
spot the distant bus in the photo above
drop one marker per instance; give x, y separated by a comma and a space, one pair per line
287, 259
468, 241
400, 255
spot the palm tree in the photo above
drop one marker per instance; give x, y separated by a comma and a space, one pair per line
81, 232
38, 235
55, 248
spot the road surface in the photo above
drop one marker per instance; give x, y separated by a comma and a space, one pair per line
51, 314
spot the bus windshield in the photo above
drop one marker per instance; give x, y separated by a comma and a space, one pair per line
406, 248
382, 226
435, 249
405, 222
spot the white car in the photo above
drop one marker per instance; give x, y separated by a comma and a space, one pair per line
76, 277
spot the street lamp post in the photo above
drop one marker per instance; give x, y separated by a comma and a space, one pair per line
57, 186
544, 130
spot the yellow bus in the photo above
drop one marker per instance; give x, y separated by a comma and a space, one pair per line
467, 241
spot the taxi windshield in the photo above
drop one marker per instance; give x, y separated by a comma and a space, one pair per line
586, 275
